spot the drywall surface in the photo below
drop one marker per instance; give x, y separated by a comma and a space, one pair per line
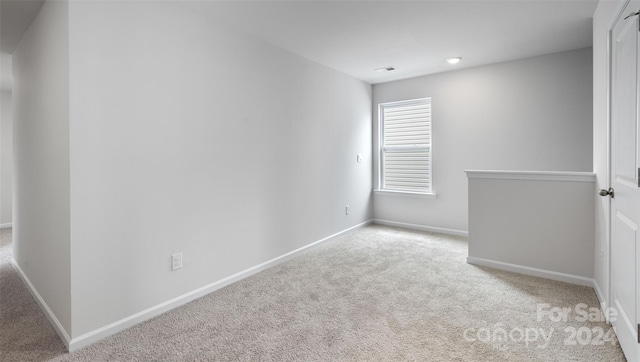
531, 114
6, 140
603, 19
6, 72
6, 158
533, 220
41, 154
190, 138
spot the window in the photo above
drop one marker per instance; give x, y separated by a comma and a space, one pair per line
405, 146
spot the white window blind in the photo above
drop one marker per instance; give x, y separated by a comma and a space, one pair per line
405, 152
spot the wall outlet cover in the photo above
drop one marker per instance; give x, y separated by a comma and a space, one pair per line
176, 261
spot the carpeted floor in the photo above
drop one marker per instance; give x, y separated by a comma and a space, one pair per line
377, 294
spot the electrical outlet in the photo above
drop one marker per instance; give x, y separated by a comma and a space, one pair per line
176, 261
346, 210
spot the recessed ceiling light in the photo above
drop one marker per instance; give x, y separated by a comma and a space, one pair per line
385, 69
454, 60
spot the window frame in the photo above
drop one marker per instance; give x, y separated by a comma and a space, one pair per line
430, 193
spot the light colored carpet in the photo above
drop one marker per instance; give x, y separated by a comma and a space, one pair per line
377, 294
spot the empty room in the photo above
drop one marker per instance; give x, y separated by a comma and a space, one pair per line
319, 180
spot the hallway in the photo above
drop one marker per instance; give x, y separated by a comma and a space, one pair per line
25, 333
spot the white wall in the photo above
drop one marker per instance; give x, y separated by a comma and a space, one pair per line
529, 114
6, 72
533, 222
188, 138
6, 157
602, 22
41, 150
6, 139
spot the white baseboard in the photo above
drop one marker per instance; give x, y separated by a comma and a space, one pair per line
601, 299
422, 227
43, 305
7, 225
547, 274
118, 326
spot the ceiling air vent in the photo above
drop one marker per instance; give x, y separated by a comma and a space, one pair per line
385, 69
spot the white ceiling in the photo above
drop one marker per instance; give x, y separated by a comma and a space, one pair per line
356, 37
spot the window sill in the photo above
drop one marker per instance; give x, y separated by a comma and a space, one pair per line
405, 194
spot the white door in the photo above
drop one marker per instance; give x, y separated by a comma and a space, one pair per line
625, 170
